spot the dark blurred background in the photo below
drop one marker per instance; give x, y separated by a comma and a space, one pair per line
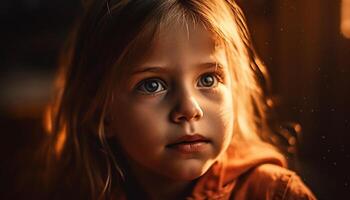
305, 44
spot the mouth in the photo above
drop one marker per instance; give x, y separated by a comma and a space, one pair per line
190, 144
188, 139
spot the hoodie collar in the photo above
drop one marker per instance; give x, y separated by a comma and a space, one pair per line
219, 181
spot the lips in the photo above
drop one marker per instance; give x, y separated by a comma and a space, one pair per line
190, 144
189, 139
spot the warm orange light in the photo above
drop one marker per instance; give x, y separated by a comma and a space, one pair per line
61, 139
297, 128
61, 136
48, 120
345, 18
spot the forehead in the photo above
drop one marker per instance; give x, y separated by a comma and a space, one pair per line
183, 43
173, 43
184, 36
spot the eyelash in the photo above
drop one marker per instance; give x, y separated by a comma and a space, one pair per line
218, 76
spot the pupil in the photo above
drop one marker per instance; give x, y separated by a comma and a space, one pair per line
151, 86
208, 80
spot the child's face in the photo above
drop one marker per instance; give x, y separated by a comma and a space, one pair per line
174, 92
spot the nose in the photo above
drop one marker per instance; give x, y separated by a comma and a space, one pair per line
186, 109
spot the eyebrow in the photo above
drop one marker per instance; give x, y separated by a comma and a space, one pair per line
157, 69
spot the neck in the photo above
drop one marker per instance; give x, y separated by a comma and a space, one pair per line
156, 186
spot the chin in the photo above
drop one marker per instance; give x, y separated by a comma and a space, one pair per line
190, 170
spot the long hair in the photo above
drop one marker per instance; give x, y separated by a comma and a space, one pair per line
107, 39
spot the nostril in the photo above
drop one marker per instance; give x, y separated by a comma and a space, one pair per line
183, 117
187, 109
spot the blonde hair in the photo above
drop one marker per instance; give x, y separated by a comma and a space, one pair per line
109, 35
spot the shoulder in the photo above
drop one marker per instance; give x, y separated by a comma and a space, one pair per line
272, 182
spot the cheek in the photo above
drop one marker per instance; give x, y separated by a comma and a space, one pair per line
138, 127
225, 121
220, 116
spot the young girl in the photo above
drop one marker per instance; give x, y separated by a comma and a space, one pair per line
164, 99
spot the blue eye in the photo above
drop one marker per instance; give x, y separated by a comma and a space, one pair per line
151, 86
207, 80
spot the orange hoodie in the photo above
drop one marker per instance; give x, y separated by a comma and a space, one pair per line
248, 172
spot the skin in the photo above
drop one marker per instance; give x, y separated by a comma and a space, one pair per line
187, 98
